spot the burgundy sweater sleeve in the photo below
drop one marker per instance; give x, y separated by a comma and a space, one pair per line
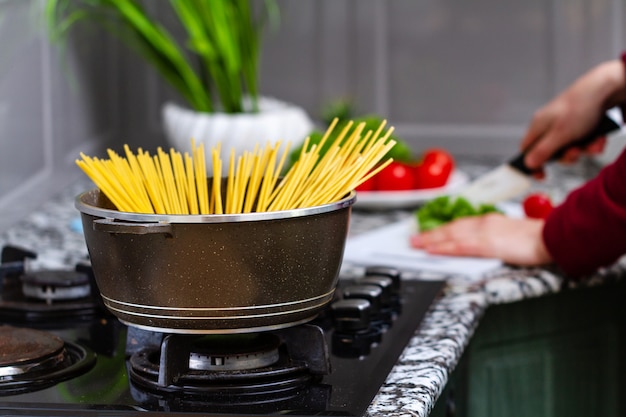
588, 230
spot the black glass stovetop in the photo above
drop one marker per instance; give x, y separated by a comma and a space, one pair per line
359, 362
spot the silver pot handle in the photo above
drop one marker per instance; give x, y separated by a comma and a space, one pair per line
111, 226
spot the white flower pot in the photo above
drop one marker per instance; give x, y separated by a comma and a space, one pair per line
275, 121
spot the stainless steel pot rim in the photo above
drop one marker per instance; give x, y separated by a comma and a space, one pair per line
233, 309
235, 330
144, 315
208, 218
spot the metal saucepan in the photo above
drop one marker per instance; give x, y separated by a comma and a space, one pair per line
215, 273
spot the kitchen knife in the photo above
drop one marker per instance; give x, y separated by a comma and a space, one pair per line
514, 177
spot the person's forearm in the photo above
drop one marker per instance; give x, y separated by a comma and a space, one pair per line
621, 100
588, 230
612, 82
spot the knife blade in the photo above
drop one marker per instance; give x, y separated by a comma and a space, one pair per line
514, 177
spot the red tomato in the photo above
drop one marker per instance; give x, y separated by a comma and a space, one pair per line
395, 176
367, 185
434, 170
439, 157
537, 206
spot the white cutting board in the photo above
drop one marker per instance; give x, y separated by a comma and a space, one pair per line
389, 246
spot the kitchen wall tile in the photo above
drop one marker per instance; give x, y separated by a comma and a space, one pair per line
449, 73
55, 101
21, 114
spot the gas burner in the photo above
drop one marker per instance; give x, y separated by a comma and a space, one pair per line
53, 285
223, 366
234, 353
47, 298
31, 360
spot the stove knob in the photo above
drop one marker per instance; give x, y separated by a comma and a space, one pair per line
392, 273
351, 315
354, 335
371, 293
385, 284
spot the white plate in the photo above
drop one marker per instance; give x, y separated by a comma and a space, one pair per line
381, 200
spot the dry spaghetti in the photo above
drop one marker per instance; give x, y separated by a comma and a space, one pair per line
175, 183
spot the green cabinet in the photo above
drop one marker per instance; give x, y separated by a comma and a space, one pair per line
558, 355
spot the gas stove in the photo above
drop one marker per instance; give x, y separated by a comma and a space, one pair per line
63, 353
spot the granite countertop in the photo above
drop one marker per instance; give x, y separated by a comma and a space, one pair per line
417, 380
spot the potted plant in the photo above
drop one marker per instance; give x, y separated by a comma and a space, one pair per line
214, 69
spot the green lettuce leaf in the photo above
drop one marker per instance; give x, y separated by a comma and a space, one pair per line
444, 209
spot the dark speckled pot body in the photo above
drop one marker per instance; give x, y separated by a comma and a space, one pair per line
217, 273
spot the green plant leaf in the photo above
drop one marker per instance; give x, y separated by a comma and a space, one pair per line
159, 38
219, 55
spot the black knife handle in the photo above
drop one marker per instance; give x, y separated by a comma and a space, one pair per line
605, 126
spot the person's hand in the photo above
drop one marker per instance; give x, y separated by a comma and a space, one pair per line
515, 241
574, 113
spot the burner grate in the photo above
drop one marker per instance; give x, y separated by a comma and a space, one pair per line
260, 363
31, 360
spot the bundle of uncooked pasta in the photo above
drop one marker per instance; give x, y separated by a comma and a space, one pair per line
172, 183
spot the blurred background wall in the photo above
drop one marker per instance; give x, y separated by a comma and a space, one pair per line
465, 75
